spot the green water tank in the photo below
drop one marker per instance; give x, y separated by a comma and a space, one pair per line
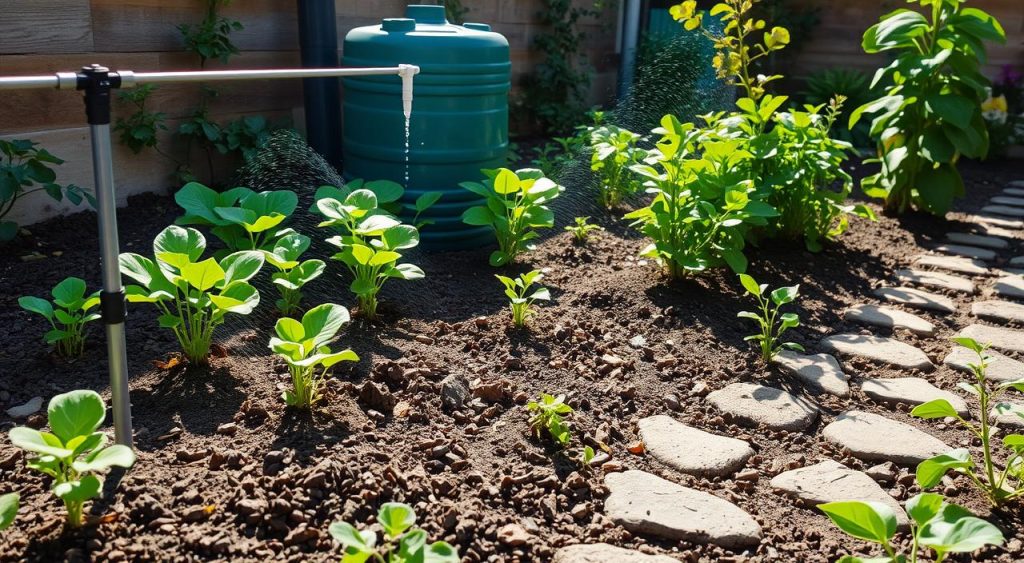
459, 121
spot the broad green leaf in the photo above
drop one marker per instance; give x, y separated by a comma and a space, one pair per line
930, 471
386, 190
750, 285
36, 305
322, 322
938, 408
68, 292
239, 297
869, 521
396, 518
427, 200
507, 182
177, 240
478, 216
362, 253
348, 536
198, 201
400, 237
115, 455
241, 266
204, 275
8, 510
956, 531
75, 413
32, 440
81, 490
290, 330
784, 295
924, 507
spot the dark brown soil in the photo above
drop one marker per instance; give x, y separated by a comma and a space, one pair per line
270, 491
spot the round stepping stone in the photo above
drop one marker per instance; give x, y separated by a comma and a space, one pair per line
1010, 286
1000, 367
1016, 201
692, 451
996, 220
953, 264
1001, 311
831, 481
967, 251
878, 348
917, 298
910, 390
887, 317
1007, 210
1008, 414
649, 505
769, 406
995, 336
936, 279
605, 553
982, 241
872, 437
820, 372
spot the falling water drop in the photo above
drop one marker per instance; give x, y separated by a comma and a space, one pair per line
407, 119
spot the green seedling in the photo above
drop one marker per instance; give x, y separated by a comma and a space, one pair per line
403, 543
614, 152
292, 272
581, 229
768, 317
303, 345
999, 486
68, 314
517, 289
193, 296
8, 510
73, 453
241, 218
547, 418
516, 205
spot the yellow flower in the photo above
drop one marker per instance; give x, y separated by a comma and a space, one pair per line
683, 11
777, 39
995, 104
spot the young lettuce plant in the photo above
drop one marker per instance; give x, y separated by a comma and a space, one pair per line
241, 218
516, 204
402, 542
581, 229
547, 417
303, 345
614, 151
517, 289
194, 296
768, 317
73, 453
935, 524
999, 486
68, 314
8, 509
370, 241
292, 273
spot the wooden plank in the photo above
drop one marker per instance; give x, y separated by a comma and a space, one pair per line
51, 26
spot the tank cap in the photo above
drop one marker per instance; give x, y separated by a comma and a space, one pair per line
426, 14
477, 26
398, 25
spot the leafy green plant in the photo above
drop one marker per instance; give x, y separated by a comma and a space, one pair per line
547, 418
402, 542
244, 136
193, 296
769, 317
139, 130
517, 289
8, 509
581, 229
68, 315
292, 272
73, 453
210, 39
370, 238
303, 345
516, 204
241, 218
998, 486
26, 168
935, 524
614, 151
855, 87
931, 115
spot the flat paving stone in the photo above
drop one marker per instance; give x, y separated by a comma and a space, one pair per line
1017, 190
953, 264
1017, 261
1000, 367
690, 450
1001, 311
917, 299
873, 437
1008, 414
996, 220
605, 553
936, 279
981, 241
995, 231
649, 505
1008, 210
768, 406
911, 391
996, 336
820, 372
1010, 286
1016, 201
879, 349
831, 481
967, 251
887, 317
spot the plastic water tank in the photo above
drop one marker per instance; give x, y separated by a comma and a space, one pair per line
459, 119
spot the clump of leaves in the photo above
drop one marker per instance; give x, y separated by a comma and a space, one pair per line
8, 509
210, 39
999, 486
520, 299
303, 345
516, 204
769, 317
193, 296
292, 273
931, 115
370, 240
241, 218
614, 152
140, 128
25, 169
935, 524
73, 453
547, 418
581, 229
68, 315
403, 543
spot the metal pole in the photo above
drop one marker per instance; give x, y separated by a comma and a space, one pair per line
318, 44
630, 38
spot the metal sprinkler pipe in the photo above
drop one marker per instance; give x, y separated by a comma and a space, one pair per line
97, 82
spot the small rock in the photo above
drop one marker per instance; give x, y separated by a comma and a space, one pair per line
227, 429
513, 535
454, 392
24, 411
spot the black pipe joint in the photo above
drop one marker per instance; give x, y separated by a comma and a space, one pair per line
113, 307
97, 81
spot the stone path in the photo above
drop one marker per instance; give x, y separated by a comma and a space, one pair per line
967, 251
999, 311
953, 264
889, 318
998, 337
873, 437
689, 450
831, 481
1017, 201
820, 372
1000, 368
911, 391
936, 279
605, 553
1010, 286
1008, 210
879, 349
768, 406
1005, 222
982, 241
917, 298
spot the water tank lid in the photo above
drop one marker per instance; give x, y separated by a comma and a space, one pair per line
426, 14
398, 25
477, 26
